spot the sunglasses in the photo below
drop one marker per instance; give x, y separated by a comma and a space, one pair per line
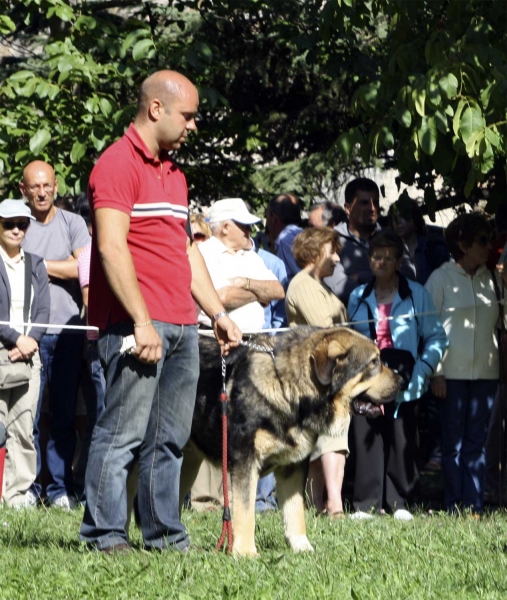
483, 240
21, 225
199, 236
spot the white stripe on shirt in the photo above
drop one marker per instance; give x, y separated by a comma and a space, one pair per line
160, 209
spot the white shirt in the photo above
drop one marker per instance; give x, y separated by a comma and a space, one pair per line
224, 264
15, 268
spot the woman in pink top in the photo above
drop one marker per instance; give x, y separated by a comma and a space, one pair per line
399, 315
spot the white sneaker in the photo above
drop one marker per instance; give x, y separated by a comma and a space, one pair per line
31, 498
361, 516
403, 515
65, 503
28, 500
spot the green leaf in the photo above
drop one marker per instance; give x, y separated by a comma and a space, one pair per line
77, 152
441, 121
486, 94
449, 85
403, 115
141, 49
64, 12
493, 138
471, 121
419, 98
7, 25
387, 137
471, 143
106, 108
21, 76
433, 96
457, 117
428, 135
39, 141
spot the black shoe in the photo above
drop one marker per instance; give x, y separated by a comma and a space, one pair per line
122, 548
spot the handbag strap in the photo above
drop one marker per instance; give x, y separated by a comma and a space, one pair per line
499, 298
28, 289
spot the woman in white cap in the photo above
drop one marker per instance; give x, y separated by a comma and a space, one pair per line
19, 343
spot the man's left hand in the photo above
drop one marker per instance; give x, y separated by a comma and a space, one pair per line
227, 333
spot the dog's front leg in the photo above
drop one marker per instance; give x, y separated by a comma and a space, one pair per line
192, 459
289, 490
244, 489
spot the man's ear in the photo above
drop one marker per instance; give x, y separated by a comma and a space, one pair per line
347, 208
156, 109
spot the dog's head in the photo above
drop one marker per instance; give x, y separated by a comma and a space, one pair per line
349, 365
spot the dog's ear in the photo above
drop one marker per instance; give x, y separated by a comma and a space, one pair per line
324, 358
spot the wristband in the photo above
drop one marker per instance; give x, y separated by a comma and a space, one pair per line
247, 286
219, 315
142, 324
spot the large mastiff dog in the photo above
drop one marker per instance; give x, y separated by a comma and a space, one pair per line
278, 407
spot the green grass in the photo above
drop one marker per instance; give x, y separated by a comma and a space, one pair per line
431, 557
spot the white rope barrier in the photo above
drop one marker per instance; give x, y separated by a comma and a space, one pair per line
281, 329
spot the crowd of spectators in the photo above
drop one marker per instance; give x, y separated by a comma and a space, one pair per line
433, 297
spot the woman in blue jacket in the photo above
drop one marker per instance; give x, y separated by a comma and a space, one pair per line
385, 449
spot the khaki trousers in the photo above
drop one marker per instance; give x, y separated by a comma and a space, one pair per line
18, 406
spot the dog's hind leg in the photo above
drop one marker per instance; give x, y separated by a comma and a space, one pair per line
290, 482
244, 489
192, 459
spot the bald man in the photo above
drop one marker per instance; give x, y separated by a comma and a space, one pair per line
59, 237
144, 272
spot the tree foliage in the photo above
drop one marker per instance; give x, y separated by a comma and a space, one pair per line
294, 95
436, 105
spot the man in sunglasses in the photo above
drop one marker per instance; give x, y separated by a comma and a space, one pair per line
59, 237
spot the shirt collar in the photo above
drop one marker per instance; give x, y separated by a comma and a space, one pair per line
12, 261
140, 145
224, 249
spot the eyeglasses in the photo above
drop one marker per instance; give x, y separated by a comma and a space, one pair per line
21, 225
483, 240
387, 259
199, 236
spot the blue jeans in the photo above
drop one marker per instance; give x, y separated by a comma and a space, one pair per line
266, 496
93, 385
61, 365
465, 419
147, 417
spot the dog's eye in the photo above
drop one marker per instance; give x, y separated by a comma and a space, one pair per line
375, 362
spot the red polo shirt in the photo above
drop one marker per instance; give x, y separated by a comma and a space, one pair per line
153, 193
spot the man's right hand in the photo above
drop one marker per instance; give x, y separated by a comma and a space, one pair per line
148, 348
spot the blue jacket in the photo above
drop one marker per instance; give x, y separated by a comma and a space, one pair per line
406, 332
40, 304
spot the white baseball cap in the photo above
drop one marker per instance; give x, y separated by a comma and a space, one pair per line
15, 208
234, 209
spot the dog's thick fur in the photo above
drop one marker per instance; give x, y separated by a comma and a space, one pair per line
277, 410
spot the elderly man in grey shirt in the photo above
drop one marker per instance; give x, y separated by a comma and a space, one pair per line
59, 237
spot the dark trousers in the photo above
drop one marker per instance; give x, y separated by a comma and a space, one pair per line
465, 420
61, 368
385, 451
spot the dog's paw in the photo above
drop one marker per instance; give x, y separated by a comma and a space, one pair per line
300, 543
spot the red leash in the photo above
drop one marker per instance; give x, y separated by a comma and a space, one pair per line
226, 518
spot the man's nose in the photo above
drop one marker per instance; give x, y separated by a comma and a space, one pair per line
191, 125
